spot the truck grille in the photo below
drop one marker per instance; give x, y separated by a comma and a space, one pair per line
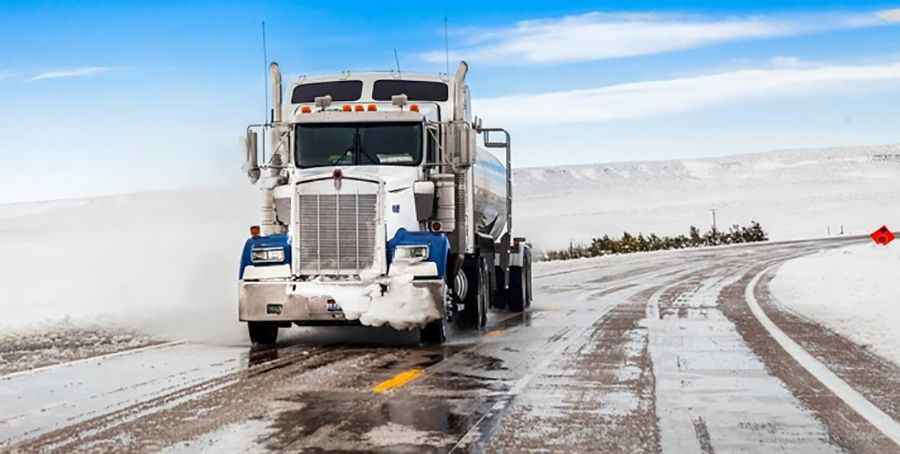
336, 233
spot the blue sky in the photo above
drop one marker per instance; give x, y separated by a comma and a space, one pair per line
100, 98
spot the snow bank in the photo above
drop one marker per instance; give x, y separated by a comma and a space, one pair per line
854, 291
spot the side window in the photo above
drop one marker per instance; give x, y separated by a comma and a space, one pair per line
344, 90
415, 90
430, 149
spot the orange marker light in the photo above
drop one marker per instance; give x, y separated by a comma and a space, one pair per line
372, 108
346, 108
254, 231
305, 109
359, 108
414, 107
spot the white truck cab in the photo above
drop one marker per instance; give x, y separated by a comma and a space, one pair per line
376, 203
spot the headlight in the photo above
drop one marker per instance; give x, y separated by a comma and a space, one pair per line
411, 254
267, 255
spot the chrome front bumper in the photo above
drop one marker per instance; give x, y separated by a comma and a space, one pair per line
282, 301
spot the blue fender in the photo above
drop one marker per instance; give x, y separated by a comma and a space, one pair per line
438, 246
270, 241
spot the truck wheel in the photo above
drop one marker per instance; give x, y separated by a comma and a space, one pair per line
434, 333
263, 333
500, 292
517, 296
486, 294
528, 288
473, 312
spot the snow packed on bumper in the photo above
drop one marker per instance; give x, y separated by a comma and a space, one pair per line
403, 306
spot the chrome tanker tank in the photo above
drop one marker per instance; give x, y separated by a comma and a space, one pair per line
490, 193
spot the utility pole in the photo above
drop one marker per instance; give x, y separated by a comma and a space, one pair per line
713, 211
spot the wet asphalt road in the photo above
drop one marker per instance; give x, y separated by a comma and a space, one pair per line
643, 353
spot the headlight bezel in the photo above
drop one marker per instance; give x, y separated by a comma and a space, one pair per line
412, 253
267, 255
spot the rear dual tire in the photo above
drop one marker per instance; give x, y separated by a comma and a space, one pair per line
475, 305
518, 296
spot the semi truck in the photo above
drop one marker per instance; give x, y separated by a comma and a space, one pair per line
380, 205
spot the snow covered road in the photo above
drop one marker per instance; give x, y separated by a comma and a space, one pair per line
642, 353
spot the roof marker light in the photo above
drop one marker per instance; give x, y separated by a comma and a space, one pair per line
372, 108
414, 107
359, 108
346, 108
306, 109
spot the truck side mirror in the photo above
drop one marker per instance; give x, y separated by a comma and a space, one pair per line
493, 142
250, 166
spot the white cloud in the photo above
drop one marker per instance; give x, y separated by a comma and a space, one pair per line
596, 36
652, 98
890, 15
781, 61
86, 71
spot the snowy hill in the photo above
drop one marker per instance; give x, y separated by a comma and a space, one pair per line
794, 194
167, 262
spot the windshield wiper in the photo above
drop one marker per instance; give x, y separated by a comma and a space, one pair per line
342, 156
367, 155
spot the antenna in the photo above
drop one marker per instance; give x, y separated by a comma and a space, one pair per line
397, 60
446, 47
265, 72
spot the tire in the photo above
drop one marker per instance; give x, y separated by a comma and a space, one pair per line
262, 333
499, 300
486, 295
528, 288
473, 313
517, 296
434, 333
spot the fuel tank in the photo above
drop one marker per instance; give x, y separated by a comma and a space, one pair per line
490, 193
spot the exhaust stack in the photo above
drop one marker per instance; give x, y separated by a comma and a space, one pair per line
275, 77
267, 207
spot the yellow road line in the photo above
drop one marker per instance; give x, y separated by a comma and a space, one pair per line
397, 380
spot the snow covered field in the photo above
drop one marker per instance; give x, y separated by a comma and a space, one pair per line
166, 263
161, 263
852, 290
793, 194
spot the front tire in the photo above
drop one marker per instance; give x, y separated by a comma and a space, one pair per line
434, 333
262, 333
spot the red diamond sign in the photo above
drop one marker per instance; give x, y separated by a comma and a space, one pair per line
882, 236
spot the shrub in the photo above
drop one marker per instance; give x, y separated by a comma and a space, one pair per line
630, 243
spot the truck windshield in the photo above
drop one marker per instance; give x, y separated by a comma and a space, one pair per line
349, 144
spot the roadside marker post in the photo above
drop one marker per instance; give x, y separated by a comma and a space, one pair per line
882, 236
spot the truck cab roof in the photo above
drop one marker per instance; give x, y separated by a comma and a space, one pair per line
432, 93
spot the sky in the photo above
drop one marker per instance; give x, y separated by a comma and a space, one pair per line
115, 97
